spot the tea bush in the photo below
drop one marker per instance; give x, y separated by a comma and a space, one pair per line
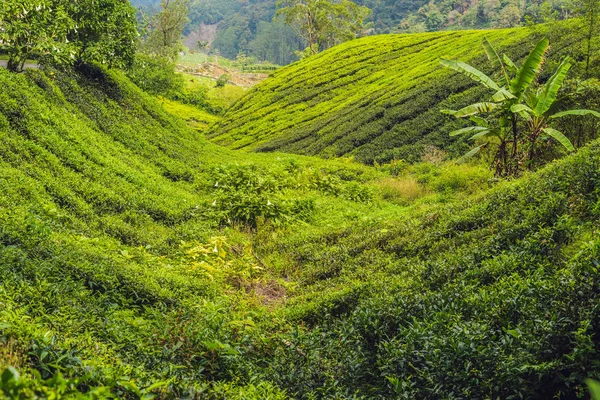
377, 98
137, 259
117, 271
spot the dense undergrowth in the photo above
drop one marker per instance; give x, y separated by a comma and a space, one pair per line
377, 98
139, 259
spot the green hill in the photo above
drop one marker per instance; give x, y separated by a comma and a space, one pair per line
376, 98
120, 255
137, 258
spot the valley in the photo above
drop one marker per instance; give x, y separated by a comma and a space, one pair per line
310, 231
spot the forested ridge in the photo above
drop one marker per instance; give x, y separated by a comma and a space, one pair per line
249, 28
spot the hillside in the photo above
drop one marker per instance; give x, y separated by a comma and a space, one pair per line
234, 26
124, 254
376, 98
140, 260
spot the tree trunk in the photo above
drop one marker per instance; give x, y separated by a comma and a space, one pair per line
590, 35
15, 64
515, 143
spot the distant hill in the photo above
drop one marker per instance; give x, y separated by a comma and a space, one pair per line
376, 98
234, 26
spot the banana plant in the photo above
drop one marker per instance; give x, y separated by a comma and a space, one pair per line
513, 98
537, 112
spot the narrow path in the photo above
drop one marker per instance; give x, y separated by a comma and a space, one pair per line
4, 63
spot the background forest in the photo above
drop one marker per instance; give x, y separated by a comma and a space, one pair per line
240, 26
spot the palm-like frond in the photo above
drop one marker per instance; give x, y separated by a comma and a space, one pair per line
474, 109
510, 65
519, 108
470, 129
480, 121
502, 95
575, 112
484, 133
494, 58
530, 68
560, 137
548, 95
471, 153
471, 72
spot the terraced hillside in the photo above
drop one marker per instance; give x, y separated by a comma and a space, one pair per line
117, 239
377, 98
139, 259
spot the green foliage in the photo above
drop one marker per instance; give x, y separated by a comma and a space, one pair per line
515, 98
118, 272
163, 31
246, 195
105, 32
476, 297
155, 75
15, 386
31, 27
122, 277
438, 14
323, 24
376, 98
62, 32
223, 80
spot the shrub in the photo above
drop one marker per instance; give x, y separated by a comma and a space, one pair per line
223, 80
400, 190
156, 75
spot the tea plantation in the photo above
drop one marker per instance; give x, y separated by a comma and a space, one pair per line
377, 98
140, 260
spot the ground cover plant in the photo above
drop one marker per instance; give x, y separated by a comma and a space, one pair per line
126, 239
315, 106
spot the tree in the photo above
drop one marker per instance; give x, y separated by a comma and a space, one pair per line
322, 23
589, 9
166, 29
521, 112
31, 28
63, 31
509, 16
106, 31
432, 17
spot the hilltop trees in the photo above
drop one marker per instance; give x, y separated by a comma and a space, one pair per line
63, 31
521, 111
165, 29
322, 23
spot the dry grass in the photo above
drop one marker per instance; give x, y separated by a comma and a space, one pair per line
400, 190
11, 354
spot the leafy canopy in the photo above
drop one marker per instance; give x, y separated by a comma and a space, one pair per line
322, 23
62, 32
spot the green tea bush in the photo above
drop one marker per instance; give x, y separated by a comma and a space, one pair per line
378, 98
247, 195
494, 297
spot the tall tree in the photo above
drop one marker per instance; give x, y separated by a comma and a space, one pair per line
590, 10
323, 23
106, 31
166, 28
